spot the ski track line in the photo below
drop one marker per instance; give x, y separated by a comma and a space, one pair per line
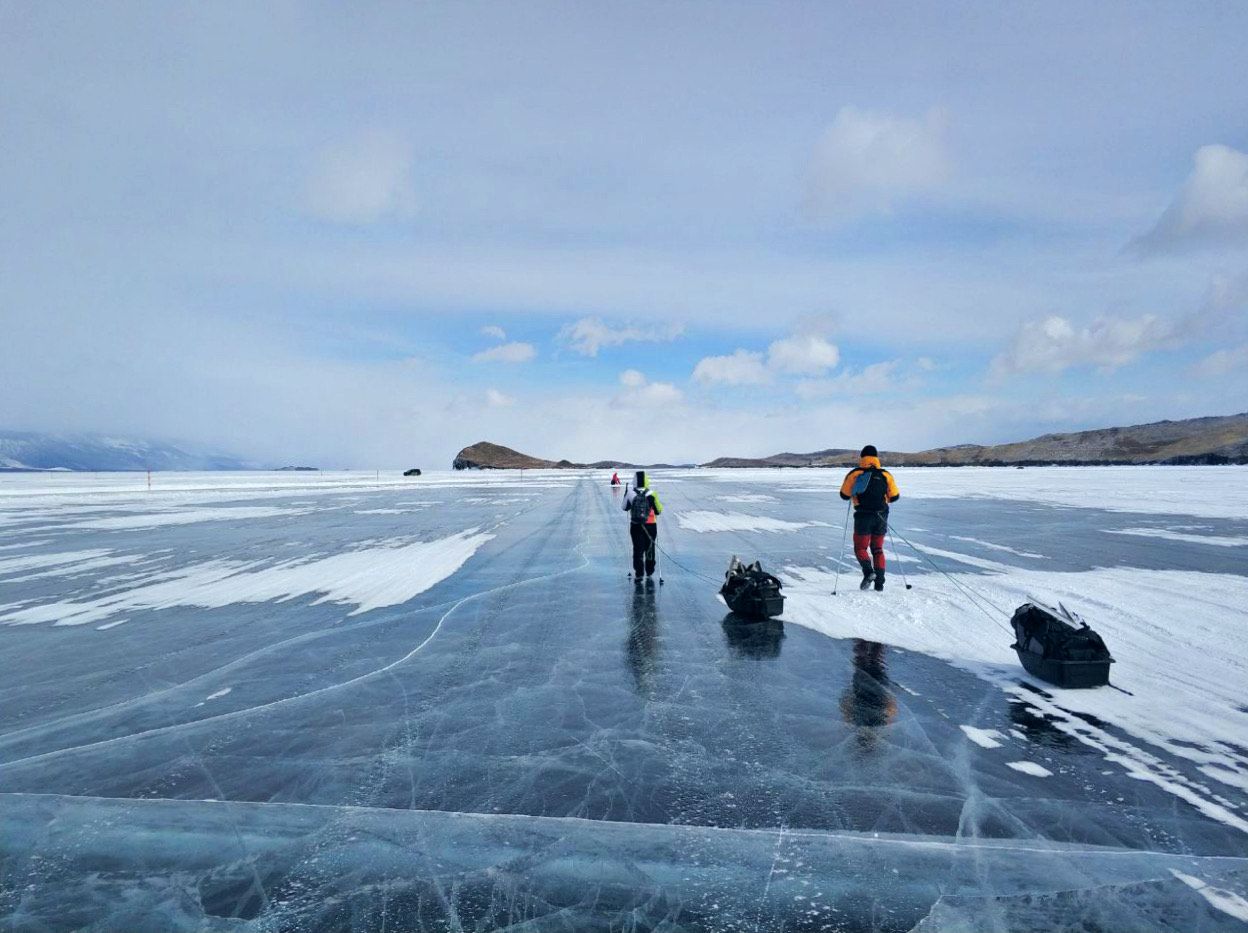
321, 690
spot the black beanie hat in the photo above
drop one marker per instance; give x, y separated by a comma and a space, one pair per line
869, 451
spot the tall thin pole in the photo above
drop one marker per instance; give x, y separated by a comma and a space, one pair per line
849, 505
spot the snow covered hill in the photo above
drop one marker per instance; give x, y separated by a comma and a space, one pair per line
23, 450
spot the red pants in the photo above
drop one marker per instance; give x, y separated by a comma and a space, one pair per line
877, 550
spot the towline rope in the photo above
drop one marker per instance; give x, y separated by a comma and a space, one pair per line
978, 600
688, 570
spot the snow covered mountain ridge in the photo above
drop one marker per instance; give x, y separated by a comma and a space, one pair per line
26, 450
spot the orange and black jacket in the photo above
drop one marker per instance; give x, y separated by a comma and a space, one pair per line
878, 494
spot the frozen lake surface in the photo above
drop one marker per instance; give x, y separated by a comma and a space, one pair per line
325, 702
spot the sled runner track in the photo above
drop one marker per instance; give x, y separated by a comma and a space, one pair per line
274, 704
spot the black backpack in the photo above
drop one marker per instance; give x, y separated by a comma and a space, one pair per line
639, 511
751, 592
871, 489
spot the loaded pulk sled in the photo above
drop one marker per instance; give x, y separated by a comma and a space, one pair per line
1056, 645
751, 592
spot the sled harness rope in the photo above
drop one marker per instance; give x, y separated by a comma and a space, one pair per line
978, 600
688, 570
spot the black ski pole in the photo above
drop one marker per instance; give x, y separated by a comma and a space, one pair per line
848, 506
897, 557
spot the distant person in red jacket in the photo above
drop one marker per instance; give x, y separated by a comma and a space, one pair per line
872, 488
615, 479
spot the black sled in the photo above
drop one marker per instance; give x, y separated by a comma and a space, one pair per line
751, 592
1057, 646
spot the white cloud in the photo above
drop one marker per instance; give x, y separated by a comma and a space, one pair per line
642, 392
740, 368
867, 162
659, 393
1210, 208
363, 180
496, 399
589, 335
1055, 344
506, 353
870, 380
803, 355
1223, 363
494, 331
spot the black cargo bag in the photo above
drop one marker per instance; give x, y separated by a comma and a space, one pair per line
1059, 647
751, 592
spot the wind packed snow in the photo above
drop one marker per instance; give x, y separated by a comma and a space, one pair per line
368, 578
1171, 534
1029, 767
984, 738
1228, 902
703, 521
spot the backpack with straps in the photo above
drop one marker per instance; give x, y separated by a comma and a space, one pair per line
863, 485
639, 510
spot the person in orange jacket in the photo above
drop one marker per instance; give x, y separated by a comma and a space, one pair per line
872, 488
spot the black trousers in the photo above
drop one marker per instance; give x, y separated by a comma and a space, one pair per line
643, 547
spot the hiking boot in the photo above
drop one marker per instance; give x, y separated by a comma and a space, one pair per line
867, 576
879, 581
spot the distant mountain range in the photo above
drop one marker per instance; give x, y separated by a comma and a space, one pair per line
1195, 440
25, 451
486, 456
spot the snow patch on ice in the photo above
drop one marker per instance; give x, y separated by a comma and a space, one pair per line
368, 578
1152, 490
1228, 902
185, 517
12, 565
703, 521
1180, 640
997, 547
1029, 767
1169, 535
984, 738
220, 693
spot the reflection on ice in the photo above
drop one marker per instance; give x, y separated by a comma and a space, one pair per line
754, 639
642, 651
867, 703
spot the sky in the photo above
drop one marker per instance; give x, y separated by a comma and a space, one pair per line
361, 235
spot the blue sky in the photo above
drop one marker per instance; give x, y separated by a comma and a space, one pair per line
375, 234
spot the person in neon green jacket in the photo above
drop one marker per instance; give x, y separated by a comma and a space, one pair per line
644, 508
